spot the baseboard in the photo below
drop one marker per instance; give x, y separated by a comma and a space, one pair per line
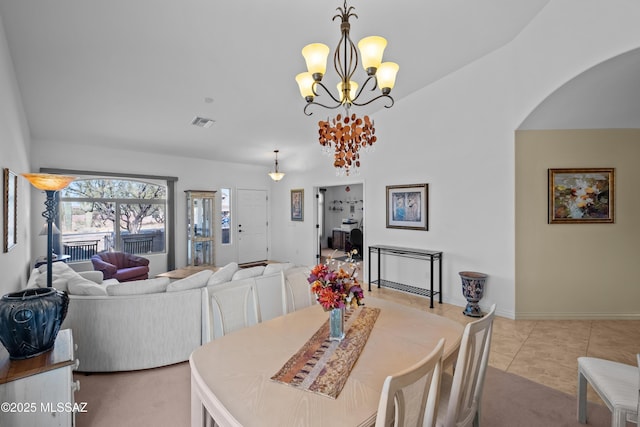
576, 316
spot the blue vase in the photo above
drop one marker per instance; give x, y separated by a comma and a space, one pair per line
31, 320
336, 324
473, 290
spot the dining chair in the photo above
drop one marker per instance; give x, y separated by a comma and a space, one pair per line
461, 393
410, 397
617, 384
232, 306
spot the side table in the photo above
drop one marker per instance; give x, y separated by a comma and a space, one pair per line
39, 391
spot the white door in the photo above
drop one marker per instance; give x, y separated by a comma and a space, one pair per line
252, 225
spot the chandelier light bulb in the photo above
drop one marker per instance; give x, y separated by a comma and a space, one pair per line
371, 51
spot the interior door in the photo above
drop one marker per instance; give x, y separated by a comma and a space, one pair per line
252, 226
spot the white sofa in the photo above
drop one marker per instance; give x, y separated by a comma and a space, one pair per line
151, 323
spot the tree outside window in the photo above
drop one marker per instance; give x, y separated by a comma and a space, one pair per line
112, 214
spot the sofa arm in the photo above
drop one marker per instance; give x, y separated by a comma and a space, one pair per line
106, 268
136, 261
94, 276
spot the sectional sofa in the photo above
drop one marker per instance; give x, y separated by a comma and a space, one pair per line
155, 322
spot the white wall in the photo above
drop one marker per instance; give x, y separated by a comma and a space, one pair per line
14, 152
458, 135
193, 174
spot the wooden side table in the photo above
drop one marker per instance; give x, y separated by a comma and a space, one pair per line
187, 271
39, 391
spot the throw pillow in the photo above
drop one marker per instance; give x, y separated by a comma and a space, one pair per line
198, 280
223, 275
246, 273
86, 287
139, 287
276, 267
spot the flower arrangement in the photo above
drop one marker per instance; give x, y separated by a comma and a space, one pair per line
336, 289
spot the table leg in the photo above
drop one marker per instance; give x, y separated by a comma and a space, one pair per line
197, 408
431, 281
369, 270
440, 278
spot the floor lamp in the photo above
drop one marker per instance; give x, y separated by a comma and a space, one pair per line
50, 184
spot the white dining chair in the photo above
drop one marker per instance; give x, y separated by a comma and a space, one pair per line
410, 397
617, 384
461, 394
232, 306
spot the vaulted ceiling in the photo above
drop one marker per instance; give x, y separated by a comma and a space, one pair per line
133, 74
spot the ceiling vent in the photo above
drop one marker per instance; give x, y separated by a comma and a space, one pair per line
202, 122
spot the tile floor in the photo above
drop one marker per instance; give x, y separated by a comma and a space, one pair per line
544, 351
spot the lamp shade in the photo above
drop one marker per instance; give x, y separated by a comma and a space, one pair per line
386, 75
48, 181
353, 89
315, 55
276, 176
371, 51
305, 83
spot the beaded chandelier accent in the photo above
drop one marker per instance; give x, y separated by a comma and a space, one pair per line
344, 137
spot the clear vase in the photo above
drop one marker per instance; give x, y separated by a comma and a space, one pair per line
336, 324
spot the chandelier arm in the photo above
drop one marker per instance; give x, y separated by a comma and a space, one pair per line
376, 98
362, 88
326, 90
322, 105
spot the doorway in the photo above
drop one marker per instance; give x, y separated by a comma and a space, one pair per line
252, 226
339, 211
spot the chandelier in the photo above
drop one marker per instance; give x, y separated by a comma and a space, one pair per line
277, 175
346, 135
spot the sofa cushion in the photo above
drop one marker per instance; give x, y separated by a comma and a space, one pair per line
61, 275
198, 280
246, 273
223, 275
86, 287
139, 287
276, 267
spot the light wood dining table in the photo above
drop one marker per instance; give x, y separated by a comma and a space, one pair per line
231, 376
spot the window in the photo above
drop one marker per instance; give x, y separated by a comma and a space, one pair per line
98, 214
225, 196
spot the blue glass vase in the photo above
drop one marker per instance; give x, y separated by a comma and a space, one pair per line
336, 324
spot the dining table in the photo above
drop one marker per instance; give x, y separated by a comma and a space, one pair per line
231, 377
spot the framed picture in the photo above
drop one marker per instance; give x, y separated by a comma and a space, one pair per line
407, 206
297, 204
581, 195
9, 209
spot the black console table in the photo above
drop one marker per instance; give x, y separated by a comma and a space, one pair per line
424, 254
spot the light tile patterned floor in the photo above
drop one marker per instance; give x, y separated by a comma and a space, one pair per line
544, 351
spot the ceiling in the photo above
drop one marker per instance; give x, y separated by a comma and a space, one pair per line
134, 74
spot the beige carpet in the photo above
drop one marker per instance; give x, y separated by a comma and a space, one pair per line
160, 397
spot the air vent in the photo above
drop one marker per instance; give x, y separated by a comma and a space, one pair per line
202, 122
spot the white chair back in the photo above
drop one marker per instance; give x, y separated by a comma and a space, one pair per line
410, 397
271, 296
298, 289
463, 406
232, 307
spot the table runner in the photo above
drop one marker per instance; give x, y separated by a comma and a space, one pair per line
323, 366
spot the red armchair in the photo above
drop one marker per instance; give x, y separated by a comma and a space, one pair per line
121, 266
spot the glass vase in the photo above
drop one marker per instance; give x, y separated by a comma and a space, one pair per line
336, 324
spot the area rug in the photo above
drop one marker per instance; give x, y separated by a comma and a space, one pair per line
509, 400
322, 366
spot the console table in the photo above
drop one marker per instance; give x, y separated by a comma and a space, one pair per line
423, 254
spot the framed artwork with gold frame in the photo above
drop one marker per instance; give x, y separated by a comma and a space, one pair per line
297, 204
581, 195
